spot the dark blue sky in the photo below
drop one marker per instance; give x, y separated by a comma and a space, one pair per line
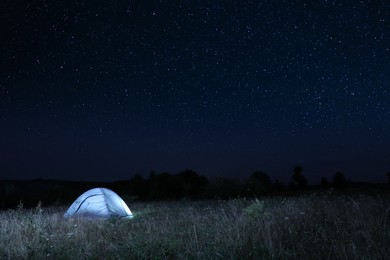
101, 90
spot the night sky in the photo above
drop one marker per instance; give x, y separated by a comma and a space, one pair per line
102, 90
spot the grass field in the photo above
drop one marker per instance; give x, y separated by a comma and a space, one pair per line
311, 227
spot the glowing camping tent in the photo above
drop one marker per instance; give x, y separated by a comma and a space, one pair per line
101, 203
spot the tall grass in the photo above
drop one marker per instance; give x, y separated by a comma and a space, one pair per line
315, 227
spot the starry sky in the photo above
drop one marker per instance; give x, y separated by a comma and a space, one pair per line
102, 90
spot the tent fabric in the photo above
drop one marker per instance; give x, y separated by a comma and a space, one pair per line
101, 203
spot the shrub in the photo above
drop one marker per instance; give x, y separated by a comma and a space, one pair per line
255, 210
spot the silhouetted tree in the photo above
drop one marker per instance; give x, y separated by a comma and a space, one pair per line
191, 184
258, 184
262, 177
224, 188
339, 181
163, 186
278, 185
299, 181
325, 183
186, 184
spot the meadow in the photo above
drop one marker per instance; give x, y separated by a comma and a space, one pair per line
320, 226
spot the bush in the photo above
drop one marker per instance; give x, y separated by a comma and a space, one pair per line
255, 210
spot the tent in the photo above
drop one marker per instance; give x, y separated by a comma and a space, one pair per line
100, 203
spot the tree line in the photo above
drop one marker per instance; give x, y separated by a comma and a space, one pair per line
189, 184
